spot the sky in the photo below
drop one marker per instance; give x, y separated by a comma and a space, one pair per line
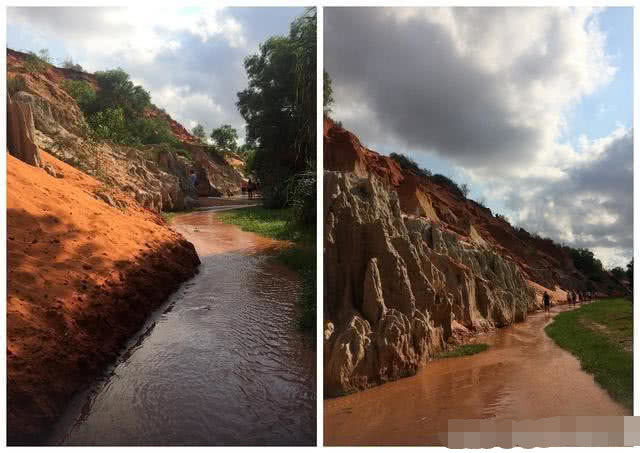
531, 107
190, 59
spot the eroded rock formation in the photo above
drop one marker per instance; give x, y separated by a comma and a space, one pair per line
20, 132
395, 283
156, 176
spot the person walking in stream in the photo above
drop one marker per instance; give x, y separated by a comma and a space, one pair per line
547, 301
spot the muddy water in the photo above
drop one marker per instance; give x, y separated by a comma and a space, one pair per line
221, 364
523, 376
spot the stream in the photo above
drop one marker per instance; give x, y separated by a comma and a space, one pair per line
524, 375
221, 363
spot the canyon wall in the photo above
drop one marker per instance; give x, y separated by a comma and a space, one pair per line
412, 267
157, 176
395, 285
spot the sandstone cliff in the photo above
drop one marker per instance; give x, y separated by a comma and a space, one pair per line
411, 266
157, 176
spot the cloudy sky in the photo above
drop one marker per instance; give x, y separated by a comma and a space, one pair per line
190, 59
532, 108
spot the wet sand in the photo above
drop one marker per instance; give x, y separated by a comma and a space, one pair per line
523, 376
222, 364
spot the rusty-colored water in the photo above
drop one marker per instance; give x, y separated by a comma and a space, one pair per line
523, 376
222, 364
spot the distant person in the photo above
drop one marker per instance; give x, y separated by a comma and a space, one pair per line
250, 188
194, 178
547, 301
569, 298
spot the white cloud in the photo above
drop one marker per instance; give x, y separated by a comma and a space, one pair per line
490, 90
133, 33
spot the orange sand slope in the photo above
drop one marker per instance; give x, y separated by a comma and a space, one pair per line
82, 277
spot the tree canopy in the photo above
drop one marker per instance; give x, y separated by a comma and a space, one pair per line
198, 131
279, 107
225, 137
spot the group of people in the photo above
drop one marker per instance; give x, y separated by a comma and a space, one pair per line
249, 187
573, 297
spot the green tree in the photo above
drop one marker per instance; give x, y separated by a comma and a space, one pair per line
43, 54
69, 64
225, 137
116, 90
198, 131
585, 261
81, 91
279, 107
327, 93
630, 272
619, 273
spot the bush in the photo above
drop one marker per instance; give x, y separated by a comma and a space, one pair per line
153, 131
199, 132
81, 91
69, 64
34, 63
16, 84
117, 91
110, 124
443, 180
408, 163
585, 261
302, 197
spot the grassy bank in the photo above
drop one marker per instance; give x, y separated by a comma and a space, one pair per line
301, 256
466, 349
600, 335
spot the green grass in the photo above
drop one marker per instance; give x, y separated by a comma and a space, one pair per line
301, 256
272, 223
466, 349
600, 335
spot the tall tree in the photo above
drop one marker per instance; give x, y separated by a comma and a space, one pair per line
225, 137
198, 131
279, 107
327, 92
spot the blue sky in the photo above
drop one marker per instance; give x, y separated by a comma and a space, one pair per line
190, 59
521, 117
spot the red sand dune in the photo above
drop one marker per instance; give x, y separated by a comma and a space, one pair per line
82, 278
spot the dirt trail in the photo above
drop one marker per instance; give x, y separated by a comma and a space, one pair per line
524, 375
222, 364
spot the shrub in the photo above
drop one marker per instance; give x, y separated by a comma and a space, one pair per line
153, 131
443, 180
34, 63
110, 124
198, 131
117, 91
16, 84
408, 163
69, 64
585, 261
302, 196
81, 91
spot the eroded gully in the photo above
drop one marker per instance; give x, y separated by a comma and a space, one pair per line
222, 363
524, 375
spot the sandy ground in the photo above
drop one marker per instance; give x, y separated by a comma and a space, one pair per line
82, 277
